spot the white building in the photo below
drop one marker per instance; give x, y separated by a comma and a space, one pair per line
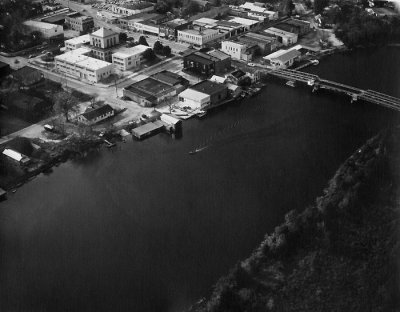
236, 50
194, 99
76, 42
248, 24
132, 8
78, 64
284, 37
46, 29
16, 156
254, 9
145, 27
127, 58
282, 58
199, 38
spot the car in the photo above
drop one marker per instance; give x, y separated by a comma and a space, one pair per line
48, 127
251, 64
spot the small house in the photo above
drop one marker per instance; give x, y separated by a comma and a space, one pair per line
94, 115
16, 156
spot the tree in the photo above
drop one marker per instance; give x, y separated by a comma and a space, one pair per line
158, 47
190, 8
161, 7
143, 41
320, 5
149, 54
65, 103
245, 82
123, 36
166, 50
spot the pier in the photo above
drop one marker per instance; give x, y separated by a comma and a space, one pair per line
355, 93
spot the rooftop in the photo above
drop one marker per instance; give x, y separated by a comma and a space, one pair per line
80, 58
139, 17
54, 18
219, 55
126, 52
208, 87
243, 21
197, 32
283, 55
136, 6
169, 78
193, 94
176, 22
41, 25
201, 57
97, 112
104, 32
260, 37
80, 39
25, 71
281, 32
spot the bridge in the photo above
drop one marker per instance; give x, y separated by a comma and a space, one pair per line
355, 93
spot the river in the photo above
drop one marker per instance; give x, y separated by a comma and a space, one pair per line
148, 227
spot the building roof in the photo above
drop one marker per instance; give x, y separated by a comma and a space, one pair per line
141, 93
104, 32
193, 94
238, 73
81, 39
205, 21
13, 154
201, 58
259, 37
139, 16
283, 55
219, 55
97, 112
169, 78
136, 6
218, 79
80, 58
127, 52
24, 71
279, 32
243, 21
176, 22
169, 119
41, 25
198, 32
54, 18
208, 87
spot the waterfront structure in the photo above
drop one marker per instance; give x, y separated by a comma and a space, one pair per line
284, 37
170, 29
46, 29
203, 94
127, 58
282, 58
101, 43
266, 44
237, 50
79, 22
94, 115
199, 37
77, 42
16, 156
131, 8
148, 92
78, 64
214, 62
27, 76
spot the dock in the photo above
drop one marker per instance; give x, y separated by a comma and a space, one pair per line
3, 194
148, 129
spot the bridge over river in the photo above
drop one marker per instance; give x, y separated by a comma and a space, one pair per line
355, 93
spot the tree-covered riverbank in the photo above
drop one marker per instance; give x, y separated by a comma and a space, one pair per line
338, 254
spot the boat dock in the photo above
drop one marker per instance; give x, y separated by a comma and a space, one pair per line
148, 129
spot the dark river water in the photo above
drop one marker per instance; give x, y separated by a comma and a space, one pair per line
148, 227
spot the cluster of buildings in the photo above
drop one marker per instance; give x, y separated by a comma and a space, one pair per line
92, 57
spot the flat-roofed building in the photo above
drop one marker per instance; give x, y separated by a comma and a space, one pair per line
199, 38
267, 44
247, 23
128, 22
237, 50
79, 22
127, 58
170, 29
204, 94
78, 64
284, 37
282, 58
101, 42
254, 9
207, 64
172, 79
131, 8
77, 42
297, 26
194, 99
148, 92
46, 29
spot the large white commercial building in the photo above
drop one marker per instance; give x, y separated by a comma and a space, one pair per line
77, 42
46, 29
78, 64
235, 49
199, 38
194, 99
127, 58
282, 58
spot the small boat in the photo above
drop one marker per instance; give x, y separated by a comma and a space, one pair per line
201, 114
109, 144
199, 149
291, 83
314, 62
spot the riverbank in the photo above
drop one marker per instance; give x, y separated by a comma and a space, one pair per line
338, 254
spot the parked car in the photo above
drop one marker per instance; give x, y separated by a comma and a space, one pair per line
48, 127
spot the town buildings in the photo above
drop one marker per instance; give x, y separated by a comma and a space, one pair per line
46, 29
173, 80
94, 115
199, 37
284, 37
77, 42
79, 22
296, 26
127, 58
265, 43
256, 10
101, 43
78, 64
170, 29
237, 50
132, 8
